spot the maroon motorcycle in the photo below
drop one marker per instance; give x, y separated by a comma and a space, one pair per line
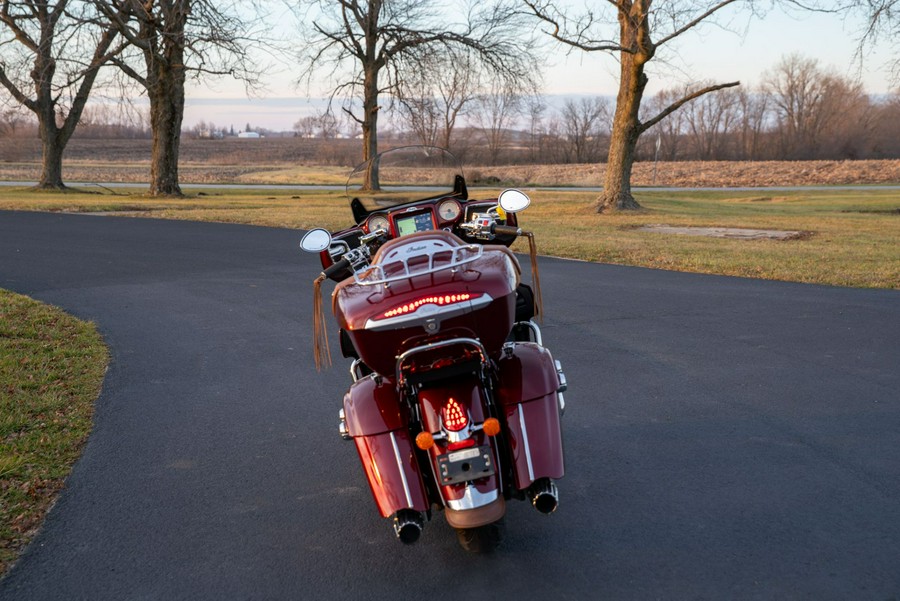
455, 403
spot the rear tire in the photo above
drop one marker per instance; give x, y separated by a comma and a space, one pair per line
482, 539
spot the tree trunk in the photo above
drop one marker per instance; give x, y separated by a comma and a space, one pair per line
166, 94
625, 133
52, 153
45, 110
370, 127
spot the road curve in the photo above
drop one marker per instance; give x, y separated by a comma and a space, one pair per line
725, 438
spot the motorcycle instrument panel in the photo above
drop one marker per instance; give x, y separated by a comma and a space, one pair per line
410, 224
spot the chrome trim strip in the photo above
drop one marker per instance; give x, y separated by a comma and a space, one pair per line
402, 473
525, 441
472, 499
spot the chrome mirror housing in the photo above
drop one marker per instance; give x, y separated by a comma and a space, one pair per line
316, 240
513, 201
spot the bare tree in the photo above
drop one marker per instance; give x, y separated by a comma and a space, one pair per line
535, 107
810, 104
880, 25
634, 30
496, 112
321, 125
582, 124
710, 121
418, 106
886, 128
175, 39
51, 55
754, 110
669, 131
368, 42
437, 90
457, 85
12, 119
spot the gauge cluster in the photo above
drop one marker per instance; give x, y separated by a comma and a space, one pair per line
443, 214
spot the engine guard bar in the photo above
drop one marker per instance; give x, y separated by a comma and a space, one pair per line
405, 355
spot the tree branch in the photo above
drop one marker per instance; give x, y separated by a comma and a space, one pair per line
696, 21
684, 100
587, 46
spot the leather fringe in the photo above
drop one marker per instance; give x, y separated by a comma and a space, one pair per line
535, 277
321, 350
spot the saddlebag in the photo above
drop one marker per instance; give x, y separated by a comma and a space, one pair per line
528, 394
378, 426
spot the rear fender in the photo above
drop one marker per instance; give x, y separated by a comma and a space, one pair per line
464, 391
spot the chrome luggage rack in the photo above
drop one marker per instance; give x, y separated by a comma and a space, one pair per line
417, 259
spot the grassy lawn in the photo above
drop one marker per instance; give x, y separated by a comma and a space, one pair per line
51, 369
853, 236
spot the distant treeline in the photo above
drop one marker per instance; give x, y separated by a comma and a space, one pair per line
799, 112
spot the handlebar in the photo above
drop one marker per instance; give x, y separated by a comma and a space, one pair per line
505, 230
336, 268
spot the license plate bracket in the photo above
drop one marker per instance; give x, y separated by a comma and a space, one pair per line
465, 465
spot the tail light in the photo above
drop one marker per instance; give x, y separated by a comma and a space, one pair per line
454, 415
441, 300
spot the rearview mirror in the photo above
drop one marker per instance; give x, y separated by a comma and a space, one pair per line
513, 201
316, 240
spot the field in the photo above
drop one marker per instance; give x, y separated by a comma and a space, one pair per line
849, 237
301, 161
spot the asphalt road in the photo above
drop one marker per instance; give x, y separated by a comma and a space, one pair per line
725, 438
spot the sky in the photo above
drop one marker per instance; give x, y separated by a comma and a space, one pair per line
738, 48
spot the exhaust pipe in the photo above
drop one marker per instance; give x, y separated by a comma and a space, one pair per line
408, 525
544, 495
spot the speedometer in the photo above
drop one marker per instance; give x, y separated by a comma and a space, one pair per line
378, 222
449, 210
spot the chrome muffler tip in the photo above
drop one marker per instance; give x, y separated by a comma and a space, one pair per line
342, 426
408, 525
544, 495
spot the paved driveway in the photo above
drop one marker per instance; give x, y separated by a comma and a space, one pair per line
726, 438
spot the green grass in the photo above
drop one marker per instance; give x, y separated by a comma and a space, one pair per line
51, 369
853, 237
853, 240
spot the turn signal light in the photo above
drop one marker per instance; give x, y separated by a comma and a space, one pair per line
491, 426
424, 440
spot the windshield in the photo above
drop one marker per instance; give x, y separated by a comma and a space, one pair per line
403, 175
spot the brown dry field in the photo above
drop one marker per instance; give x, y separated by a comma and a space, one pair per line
235, 161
